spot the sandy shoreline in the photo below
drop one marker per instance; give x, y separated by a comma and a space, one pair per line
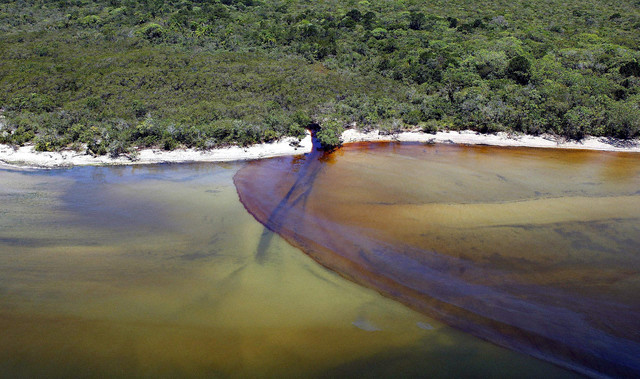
26, 156
500, 139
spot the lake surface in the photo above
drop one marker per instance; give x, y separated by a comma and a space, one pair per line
537, 250
159, 271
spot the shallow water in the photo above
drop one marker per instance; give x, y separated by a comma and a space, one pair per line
159, 271
537, 250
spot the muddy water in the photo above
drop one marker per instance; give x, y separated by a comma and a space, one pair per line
159, 271
535, 250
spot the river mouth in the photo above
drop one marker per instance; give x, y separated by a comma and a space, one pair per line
537, 250
159, 271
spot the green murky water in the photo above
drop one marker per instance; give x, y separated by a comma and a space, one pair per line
154, 272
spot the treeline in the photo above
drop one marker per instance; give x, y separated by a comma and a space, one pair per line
109, 76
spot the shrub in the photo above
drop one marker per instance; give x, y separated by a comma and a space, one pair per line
117, 148
34, 102
413, 117
329, 134
93, 102
518, 69
49, 143
577, 121
301, 119
21, 135
369, 20
90, 20
169, 143
416, 20
355, 15
630, 69
379, 33
430, 126
623, 119
269, 135
152, 31
96, 147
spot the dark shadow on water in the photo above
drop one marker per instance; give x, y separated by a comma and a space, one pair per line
299, 192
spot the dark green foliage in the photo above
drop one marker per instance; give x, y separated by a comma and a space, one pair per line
413, 117
430, 126
32, 102
471, 27
96, 148
48, 143
623, 120
518, 69
152, 31
329, 134
369, 20
115, 75
354, 15
578, 122
630, 69
417, 20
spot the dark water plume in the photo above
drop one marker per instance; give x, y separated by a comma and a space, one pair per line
307, 169
536, 250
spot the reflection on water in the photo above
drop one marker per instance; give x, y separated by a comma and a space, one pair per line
537, 250
160, 272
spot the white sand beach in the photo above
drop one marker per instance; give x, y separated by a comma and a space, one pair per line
500, 139
26, 156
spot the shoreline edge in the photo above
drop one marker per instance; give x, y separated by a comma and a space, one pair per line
27, 157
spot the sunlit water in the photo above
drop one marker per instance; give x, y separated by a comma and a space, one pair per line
536, 250
159, 271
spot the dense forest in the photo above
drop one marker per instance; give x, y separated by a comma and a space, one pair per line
112, 75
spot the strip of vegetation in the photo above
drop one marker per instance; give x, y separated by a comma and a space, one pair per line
111, 75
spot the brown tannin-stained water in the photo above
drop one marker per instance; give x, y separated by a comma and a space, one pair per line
537, 250
159, 271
